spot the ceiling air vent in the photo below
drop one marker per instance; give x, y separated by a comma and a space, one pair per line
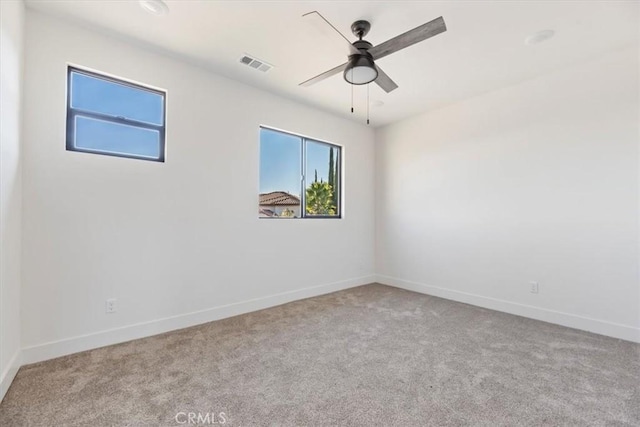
258, 64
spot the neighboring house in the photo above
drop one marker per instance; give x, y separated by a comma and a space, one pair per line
275, 203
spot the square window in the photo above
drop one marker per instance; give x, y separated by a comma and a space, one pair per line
114, 117
299, 177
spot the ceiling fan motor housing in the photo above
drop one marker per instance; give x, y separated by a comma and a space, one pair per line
362, 45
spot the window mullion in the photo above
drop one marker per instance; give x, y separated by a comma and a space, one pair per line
303, 178
114, 119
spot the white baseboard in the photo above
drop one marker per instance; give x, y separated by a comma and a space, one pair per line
50, 350
601, 327
10, 373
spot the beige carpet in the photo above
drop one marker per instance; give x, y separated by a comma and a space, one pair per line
372, 355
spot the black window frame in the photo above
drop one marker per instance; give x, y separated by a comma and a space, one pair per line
303, 175
72, 113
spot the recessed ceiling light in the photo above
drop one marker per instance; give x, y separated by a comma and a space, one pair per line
539, 37
157, 7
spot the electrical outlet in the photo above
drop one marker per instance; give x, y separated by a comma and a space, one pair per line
534, 287
111, 305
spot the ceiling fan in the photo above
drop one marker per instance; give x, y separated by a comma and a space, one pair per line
360, 68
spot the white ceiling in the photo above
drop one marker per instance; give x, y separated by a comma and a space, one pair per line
482, 50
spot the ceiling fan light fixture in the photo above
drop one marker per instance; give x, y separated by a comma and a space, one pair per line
360, 70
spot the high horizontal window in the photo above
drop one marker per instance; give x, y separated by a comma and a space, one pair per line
299, 177
114, 117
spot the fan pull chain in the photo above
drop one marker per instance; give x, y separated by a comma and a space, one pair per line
351, 92
368, 103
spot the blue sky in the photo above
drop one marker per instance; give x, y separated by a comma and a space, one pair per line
101, 96
280, 161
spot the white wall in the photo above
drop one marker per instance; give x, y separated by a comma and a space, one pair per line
537, 181
11, 58
162, 238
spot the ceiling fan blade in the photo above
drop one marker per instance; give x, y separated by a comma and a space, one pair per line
384, 81
411, 37
320, 22
324, 75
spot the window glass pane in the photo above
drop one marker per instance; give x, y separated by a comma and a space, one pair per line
102, 96
115, 138
280, 171
322, 179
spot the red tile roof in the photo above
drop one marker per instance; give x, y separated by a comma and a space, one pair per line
279, 198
